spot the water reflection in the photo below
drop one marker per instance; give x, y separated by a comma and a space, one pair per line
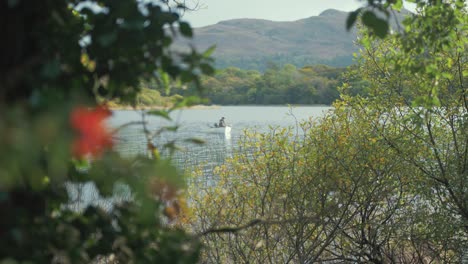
228, 144
197, 123
194, 123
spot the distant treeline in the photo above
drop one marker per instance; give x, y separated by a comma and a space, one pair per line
316, 84
261, 63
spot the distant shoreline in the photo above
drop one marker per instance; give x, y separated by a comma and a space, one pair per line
162, 107
203, 107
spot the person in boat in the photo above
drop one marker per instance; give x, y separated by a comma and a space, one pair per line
222, 123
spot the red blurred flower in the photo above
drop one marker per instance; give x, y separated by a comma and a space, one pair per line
93, 136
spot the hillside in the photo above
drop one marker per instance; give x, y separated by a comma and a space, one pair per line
255, 43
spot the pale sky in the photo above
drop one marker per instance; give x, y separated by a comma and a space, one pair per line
212, 11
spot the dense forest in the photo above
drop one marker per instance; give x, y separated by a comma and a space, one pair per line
317, 84
285, 85
296, 58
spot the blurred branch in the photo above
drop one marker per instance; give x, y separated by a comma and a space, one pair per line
255, 222
183, 6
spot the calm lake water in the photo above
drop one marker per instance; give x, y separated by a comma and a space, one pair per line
193, 123
198, 123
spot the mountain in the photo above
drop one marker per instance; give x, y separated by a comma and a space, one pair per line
257, 43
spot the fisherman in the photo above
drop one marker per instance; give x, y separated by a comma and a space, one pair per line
222, 123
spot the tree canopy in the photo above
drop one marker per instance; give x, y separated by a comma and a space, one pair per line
61, 61
381, 178
105, 48
277, 85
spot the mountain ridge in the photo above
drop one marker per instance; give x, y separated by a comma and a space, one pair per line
250, 43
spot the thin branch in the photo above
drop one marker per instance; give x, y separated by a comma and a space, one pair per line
255, 222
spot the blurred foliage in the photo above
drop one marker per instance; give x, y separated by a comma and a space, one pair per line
381, 179
147, 98
103, 48
61, 62
376, 15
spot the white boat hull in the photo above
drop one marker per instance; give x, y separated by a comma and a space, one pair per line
227, 132
223, 130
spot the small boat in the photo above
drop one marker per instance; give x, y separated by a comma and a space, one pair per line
226, 129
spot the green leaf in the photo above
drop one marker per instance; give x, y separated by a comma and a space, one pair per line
352, 18
398, 5
137, 23
435, 101
186, 76
107, 39
366, 42
209, 51
447, 75
378, 25
162, 113
207, 69
171, 128
166, 41
185, 29
172, 146
197, 141
165, 82
381, 28
51, 69
189, 101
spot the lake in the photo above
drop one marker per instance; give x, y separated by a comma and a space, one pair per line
198, 123
193, 123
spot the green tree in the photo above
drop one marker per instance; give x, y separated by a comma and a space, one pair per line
58, 60
275, 201
333, 192
287, 85
424, 79
381, 179
417, 81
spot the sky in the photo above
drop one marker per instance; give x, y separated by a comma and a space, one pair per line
212, 11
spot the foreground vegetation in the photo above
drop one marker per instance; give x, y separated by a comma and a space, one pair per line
147, 98
58, 57
380, 179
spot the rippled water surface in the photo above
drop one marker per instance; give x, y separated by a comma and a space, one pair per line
198, 123
193, 123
